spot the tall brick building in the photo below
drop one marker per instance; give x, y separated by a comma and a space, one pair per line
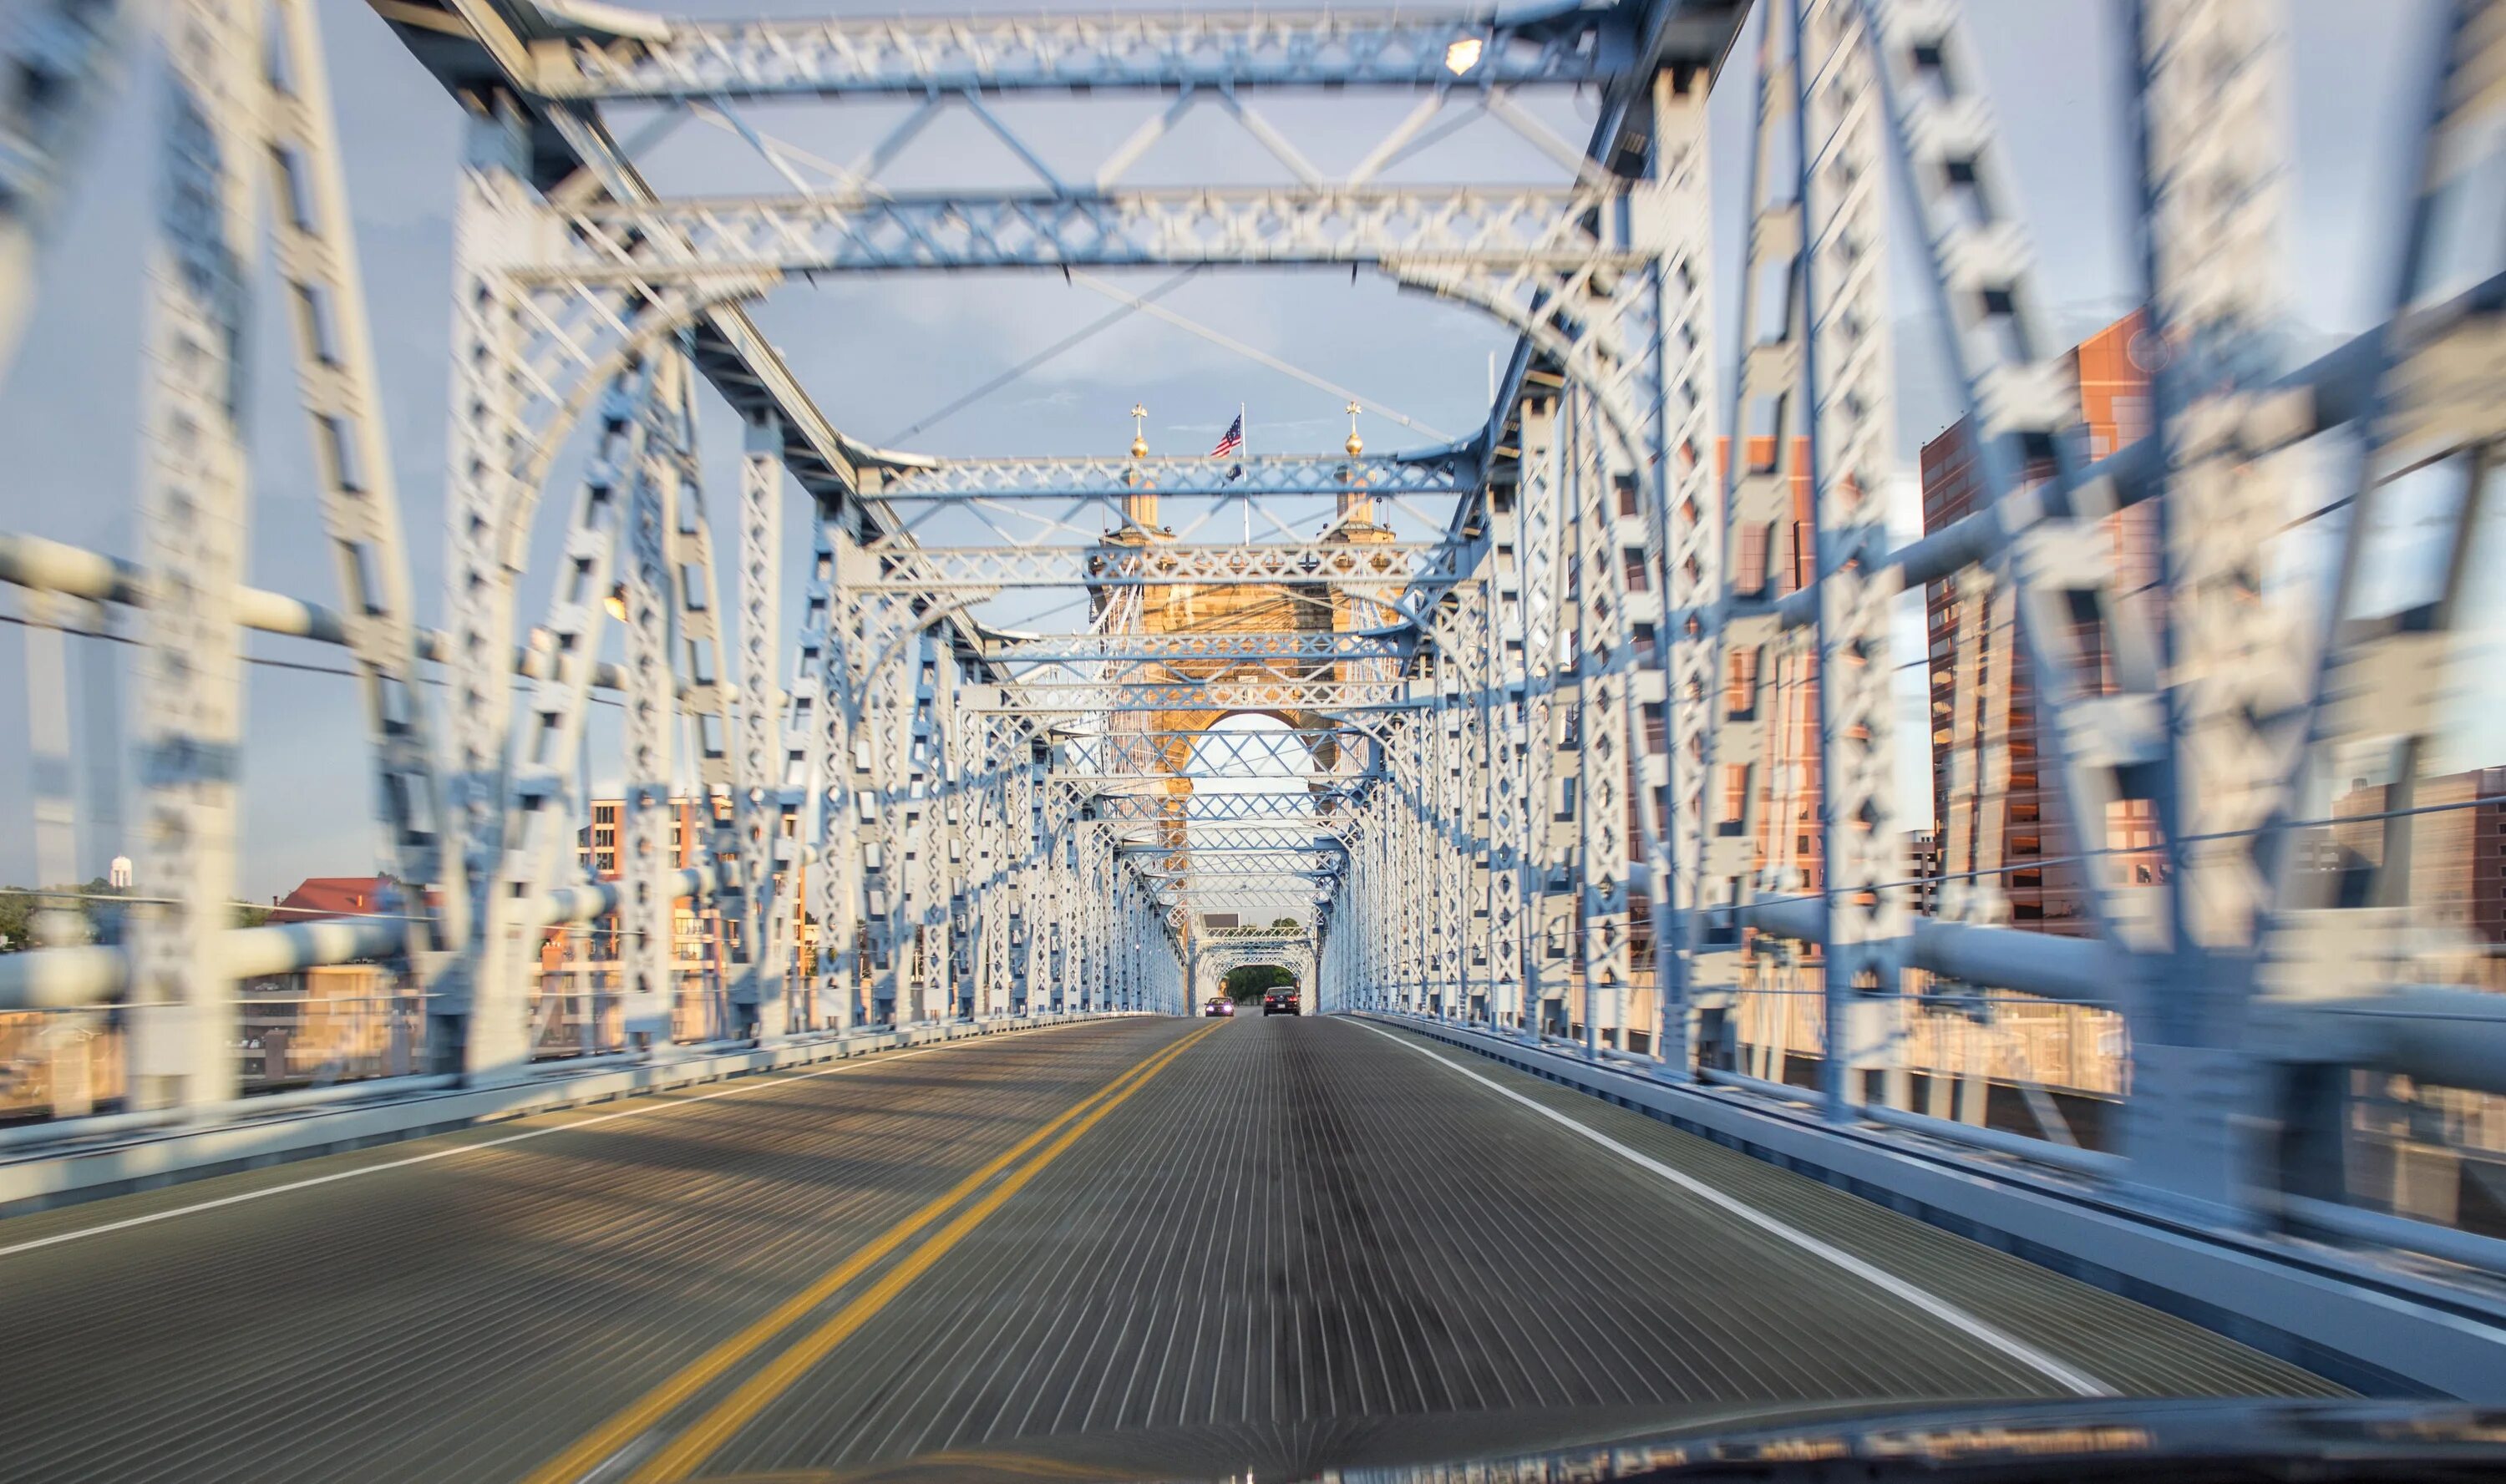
1995, 812
1774, 561
576, 956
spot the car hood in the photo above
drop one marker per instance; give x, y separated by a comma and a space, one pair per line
1930, 1441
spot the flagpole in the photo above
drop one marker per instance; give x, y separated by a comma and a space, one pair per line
1243, 451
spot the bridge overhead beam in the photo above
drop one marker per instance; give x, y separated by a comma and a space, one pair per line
1155, 803
1249, 693
949, 480
1558, 228
1276, 650
482, 49
1553, 43
894, 569
1266, 839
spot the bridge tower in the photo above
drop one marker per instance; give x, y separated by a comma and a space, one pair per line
1209, 611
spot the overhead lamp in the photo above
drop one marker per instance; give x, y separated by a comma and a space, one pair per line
616, 602
1462, 55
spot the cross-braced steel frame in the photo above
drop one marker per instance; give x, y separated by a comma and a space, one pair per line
1558, 751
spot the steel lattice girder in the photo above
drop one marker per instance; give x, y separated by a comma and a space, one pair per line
1440, 473
479, 53
343, 403
1229, 693
1196, 867
1550, 227
1032, 675
1247, 843
1145, 756
1848, 371
1262, 941
1279, 859
1144, 753
1271, 809
1306, 832
1189, 645
935, 569
1218, 959
1129, 672
1557, 44
1088, 779
194, 512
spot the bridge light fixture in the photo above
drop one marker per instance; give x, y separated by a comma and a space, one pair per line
1462, 55
616, 602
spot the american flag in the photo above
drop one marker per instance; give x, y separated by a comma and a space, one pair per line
1233, 441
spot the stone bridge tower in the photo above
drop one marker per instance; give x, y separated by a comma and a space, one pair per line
1187, 609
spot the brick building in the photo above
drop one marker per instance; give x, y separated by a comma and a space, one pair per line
705, 941
579, 957
1772, 561
1996, 812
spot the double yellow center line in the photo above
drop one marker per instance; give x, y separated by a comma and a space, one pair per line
686, 1452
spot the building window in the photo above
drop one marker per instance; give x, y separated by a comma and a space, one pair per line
1741, 693
2130, 418
1735, 789
1752, 573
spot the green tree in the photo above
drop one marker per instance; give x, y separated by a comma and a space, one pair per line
18, 906
1248, 981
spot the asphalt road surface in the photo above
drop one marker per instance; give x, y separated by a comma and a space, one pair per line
1140, 1245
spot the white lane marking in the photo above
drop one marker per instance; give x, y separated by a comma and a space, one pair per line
850, 1064
1931, 1303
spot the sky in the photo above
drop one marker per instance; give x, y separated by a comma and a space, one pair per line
881, 354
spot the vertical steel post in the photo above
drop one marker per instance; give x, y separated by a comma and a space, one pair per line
1842, 189
1501, 713
1540, 500
1741, 701
825, 720
766, 876
475, 1021
193, 516
1603, 655
1672, 774
653, 992
2208, 99
316, 254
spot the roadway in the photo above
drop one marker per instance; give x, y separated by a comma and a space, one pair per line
1155, 1246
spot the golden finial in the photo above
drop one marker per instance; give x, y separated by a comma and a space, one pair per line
1356, 444
1139, 436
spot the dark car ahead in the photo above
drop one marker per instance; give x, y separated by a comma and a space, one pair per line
1280, 1001
1219, 1004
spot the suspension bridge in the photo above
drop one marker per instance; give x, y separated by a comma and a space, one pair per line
841, 1092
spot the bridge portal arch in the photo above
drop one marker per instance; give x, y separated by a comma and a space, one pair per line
1217, 958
